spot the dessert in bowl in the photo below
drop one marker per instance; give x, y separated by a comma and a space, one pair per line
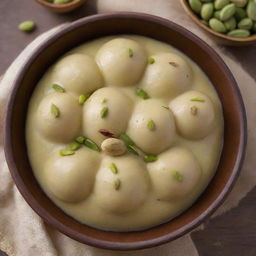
124, 132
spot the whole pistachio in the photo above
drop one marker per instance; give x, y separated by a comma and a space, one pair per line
217, 15
227, 12
195, 5
230, 24
240, 3
239, 33
217, 25
27, 26
207, 11
219, 4
245, 23
251, 10
240, 13
113, 147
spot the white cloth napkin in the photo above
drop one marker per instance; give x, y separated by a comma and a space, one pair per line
23, 233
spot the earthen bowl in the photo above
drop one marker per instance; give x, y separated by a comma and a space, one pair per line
87, 29
218, 37
62, 8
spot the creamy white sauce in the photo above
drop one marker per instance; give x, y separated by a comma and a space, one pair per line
140, 202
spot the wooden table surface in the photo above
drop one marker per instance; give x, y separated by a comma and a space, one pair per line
232, 234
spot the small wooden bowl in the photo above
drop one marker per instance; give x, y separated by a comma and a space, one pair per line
62, 8
220, 38
94, 27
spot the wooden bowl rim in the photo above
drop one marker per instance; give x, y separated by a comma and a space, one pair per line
60, 6
41, 211
194, 17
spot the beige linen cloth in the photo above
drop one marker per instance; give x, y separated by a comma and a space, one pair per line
23, 233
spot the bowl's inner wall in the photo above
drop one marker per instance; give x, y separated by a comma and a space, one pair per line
56, 47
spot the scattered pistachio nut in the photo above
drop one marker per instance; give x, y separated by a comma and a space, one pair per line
27, 26
245, 23
195, 5
239, 33
198, 99
80, 139
227, 12
92, 145
126, 139
207, 11
151, 125
151, 60
113, 147
83, 98
130, 52
104, 112
66, 152
142, 94
55, 111
177, 176
58, 88
74, 146
113, 168
150, 158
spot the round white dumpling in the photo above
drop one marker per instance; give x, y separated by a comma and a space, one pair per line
117, 107
152, 126
175, 174
122, 61
122, 190
168, 76
71, 178
194, 114
59, 117
77, 73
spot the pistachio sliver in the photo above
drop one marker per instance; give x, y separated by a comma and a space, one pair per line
55, 111
151, 60
142, 94
92, 145
58, 88
80, 139
151, 125
104, 112
83, 98
126, 139
104, 100
133, 150
198, 99
74, 146
113, 168
66, 152
150, 158
130, 52
117, 184
177, 176
166, 107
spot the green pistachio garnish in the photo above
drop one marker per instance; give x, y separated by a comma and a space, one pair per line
166, 107
55, 111
151, 60
104, 100
58, 88
92, 145
74, 146
113, 168
104, 112
150, 158
27, 26
126, 139
133, 150
142, 94
151, 125
117, 184
177, 176
66, 152
80, 139
83, 98
193, 110
198, 99
130, 52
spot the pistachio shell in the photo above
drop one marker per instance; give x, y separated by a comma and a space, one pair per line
230, 24
195, 5
240, 13
207, 11
251, 10
227, 12
219, 4
239, 33
217, 25
245, 23
240, 3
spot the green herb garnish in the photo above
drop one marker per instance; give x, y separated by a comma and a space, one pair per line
55, 111
92, 145
151, 125
150, 158
58, 88
113, 168
177, 176
142, 94
104, 112
151, 60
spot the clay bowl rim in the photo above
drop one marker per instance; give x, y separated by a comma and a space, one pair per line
194, 17
56, 223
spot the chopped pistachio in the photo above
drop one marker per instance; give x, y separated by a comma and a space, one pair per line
133, 149
80, 139
150, 158
117, 184
197, 99
104, 112
177, 176
151, 60
166, 107
113, 168
193, 110
66, 152
126, 139
55, 111
92, 145
151, 125
74, 146
58, 88
104, 100
83, 98
130, 52
142, 94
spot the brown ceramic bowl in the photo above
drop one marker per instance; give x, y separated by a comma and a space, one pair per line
62, 8
218, 37
113, 24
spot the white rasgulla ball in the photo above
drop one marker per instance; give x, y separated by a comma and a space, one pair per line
122, 61
194, 114
119, 108
168, 76
66, 125
71, 178
125, 190
158, 139
175, 174
77, 73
